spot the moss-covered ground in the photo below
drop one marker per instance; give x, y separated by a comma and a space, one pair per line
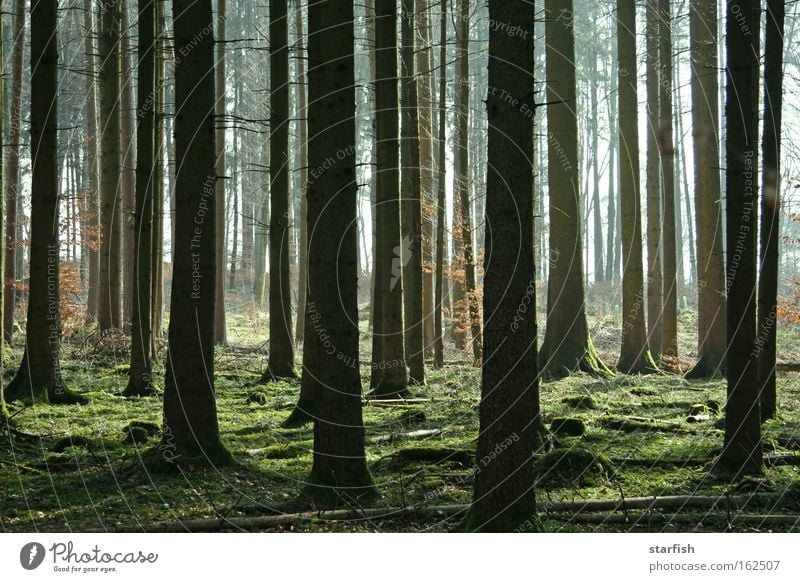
83, 470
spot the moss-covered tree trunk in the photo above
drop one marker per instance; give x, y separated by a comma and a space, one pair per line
712, 341
390, 379
742, 451
504, 481
770, 207
634, 355
109, 300
191, 428
281, 347
567, 346
339, 472
141, 370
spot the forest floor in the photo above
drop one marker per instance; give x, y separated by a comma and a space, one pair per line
83, 470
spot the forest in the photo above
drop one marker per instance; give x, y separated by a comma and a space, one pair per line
400, 266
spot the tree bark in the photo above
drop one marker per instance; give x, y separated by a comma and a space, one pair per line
12, 174
128, 167
770, 207
742, 451
141, 370
412, 194
110, 293
191, 428
634, 356
220, 327
504, 496
441, 171
392, 380
281, 348
302, 133
339, 470
708, 215
567, 346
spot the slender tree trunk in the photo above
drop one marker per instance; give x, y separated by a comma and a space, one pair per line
392, 376
711, 287
141, 370
220, 331
410, 178
634, 355
461, 171
742, 452
39, 378
128, 169
191, 428
567, 346
12, 174
667, 151
612, 259
441, 171
597, 215
110, 292
770, 207
340, 470
504, 498
302, 137
158, 179
91, 163
655, 281
281, 349
424, 62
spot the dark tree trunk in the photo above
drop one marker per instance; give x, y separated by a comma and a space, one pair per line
190, 410
92, 170
634, 355
110, 292
770, 207
441, 171
141, 370
567, 346
39, 376
281, 348
12, 181
302, 132
504, 497
339, 473
128, 169
412, 202
742, 452
220, 328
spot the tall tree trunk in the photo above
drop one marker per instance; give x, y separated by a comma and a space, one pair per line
504, 497
91, 163
424, 65
567, 346
770, 206
461, 171
597, 215
340, 469
12, 174
110, 292
302, 131
220, 331
39, 378
161, 144
281, 348
441, 172
390, 364
612, 250
742, 452
711, 287
667, 150
141, 370
191, 428
634, 355
412, 201
128, 170
655, 297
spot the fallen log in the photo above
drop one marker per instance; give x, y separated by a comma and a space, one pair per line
406, 436
787, 367
546, 509
646, 519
